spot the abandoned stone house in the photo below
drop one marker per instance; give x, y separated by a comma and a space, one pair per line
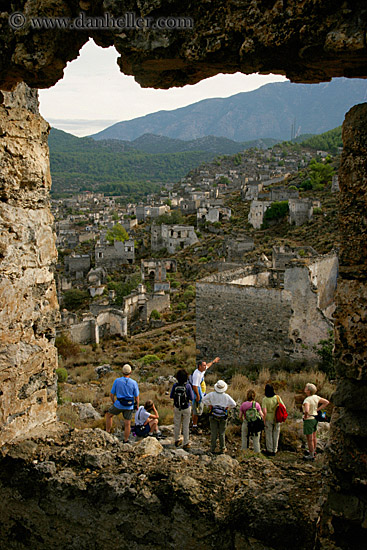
156, 271
213, 214
189, 206
283, 255
172, 237
256, 315
257, 211
77, 265
234, 249
107, 319
300, 211
113, 255
335, 183
144, 212
251, 190
283, 194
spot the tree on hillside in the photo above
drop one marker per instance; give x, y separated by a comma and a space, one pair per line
117, 233
320, 174
276, 211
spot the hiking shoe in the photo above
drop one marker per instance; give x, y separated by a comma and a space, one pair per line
195, 430
178, 442
187, 446
309, 457
224, 450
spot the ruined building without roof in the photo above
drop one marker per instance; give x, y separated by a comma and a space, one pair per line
255, 315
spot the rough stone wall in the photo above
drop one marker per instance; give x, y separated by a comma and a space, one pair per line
246, 317
28, 302
300, 211
230, 322
345, 513
308, 41
160, 302
308, 324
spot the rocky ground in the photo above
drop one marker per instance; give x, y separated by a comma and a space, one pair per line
70, 488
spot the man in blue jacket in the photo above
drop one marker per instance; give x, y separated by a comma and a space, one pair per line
125, 397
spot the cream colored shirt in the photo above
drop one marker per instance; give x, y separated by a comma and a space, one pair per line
313, 401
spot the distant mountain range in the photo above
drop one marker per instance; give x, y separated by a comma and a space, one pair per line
279, 111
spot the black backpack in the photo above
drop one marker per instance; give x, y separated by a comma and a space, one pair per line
180, 398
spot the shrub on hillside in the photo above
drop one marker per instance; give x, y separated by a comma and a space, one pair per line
65, 346
62, 375
277, 211
155, 314
75, 298
148, 359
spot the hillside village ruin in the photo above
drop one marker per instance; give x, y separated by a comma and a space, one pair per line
297, 285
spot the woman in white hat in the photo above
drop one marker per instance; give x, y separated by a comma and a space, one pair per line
219, 402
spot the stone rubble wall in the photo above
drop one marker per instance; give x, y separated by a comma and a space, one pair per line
344, 518
28, 301
241, 324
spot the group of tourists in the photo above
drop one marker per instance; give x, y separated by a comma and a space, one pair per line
189, 398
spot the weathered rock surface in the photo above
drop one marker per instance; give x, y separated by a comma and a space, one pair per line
28, 302
345, 512
86, 489
307, 41
86, 410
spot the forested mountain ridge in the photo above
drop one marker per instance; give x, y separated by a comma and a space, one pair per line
280, 110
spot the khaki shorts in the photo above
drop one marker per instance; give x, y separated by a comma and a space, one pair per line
197, 408
127, 413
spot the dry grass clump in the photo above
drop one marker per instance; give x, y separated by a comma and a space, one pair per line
264, 377
210, 379
239, 387
69, 414
297, 381
84, 374
233, 433
165, 415
188, 353
83, 395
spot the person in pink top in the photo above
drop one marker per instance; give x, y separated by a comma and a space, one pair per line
244, 431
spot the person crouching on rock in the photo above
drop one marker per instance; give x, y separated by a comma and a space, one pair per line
124, 396
146, 420
182, 394
219, 402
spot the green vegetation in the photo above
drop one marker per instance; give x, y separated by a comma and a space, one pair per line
124, 288
117, 233
75, 299
277, 211
173, 218
149, 359
325, 350
320, 173
62, 375
155, 314
329, 141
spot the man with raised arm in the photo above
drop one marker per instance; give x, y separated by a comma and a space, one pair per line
198, 386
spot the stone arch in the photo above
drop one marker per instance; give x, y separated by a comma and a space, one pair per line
308, 42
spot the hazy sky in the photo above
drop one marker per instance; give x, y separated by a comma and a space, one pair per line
94, 94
